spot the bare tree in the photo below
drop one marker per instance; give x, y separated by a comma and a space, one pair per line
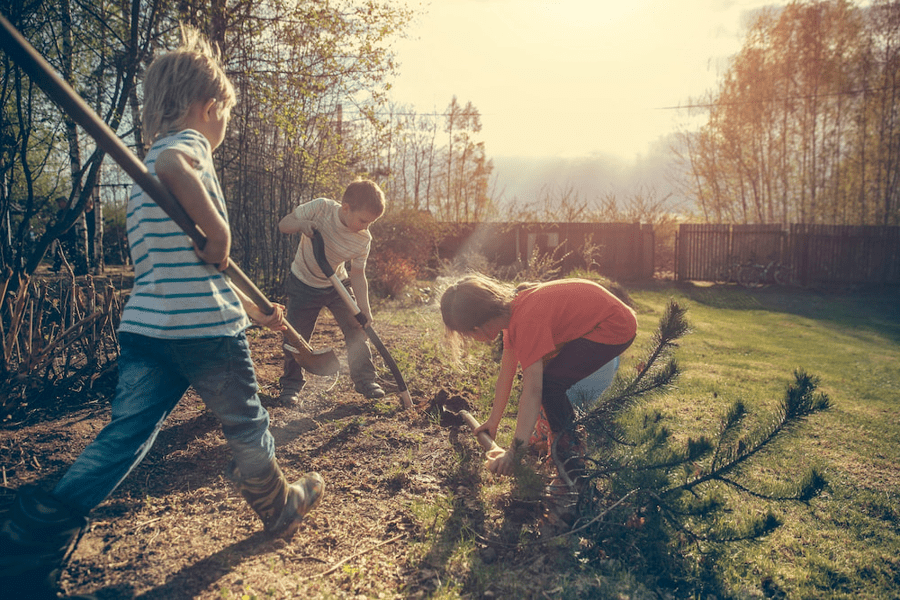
97, 51
803, 126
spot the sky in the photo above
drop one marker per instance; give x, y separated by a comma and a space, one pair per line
569, 78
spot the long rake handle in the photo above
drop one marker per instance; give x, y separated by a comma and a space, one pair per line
40, 71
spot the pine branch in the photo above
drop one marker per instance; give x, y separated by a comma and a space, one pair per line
723, 532
807, 488
650, 378
672, 327
799, 402
756, 528
730, 422
601, 424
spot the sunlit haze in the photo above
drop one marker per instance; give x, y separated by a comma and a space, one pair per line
569, 78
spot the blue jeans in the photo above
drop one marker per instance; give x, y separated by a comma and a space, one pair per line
153, 376
575, 361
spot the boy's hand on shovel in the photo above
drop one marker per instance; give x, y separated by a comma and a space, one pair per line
307, 228
275, 321
213, 259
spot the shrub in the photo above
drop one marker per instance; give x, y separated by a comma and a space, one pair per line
390, 273
59, 340
410, 234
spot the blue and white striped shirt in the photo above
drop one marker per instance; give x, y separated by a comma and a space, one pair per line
177, 295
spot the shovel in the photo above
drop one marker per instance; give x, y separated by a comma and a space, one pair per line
322, 362
484, 439
453, 406
318, 243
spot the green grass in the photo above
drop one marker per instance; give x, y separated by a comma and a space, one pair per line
844, 543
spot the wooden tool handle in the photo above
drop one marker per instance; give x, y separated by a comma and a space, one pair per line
318, 244
487, 444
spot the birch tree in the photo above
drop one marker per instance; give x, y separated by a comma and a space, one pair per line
802, 128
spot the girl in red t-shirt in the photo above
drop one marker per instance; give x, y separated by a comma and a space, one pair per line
560, 332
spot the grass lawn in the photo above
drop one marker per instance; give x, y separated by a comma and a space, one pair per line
744, 345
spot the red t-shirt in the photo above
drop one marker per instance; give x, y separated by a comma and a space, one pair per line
551, 314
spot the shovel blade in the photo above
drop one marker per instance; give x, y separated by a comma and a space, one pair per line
317, 362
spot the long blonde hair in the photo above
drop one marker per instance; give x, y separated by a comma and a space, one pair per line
473, 301
176, 80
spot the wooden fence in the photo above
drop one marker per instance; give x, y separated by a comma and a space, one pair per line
621, 251
815, 254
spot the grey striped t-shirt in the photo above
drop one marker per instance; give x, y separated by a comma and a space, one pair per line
175, 294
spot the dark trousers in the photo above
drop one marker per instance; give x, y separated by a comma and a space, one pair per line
304, 303
575, 361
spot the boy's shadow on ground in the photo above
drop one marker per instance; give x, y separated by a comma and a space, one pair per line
198, 577
290, 431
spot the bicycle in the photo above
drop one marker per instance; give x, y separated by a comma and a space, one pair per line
755, 275
751, 275
783, 274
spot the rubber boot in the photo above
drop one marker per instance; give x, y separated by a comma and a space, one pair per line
564, 492
36, 539
568, 454
280, 506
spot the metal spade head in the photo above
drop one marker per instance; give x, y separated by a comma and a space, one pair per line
446, 407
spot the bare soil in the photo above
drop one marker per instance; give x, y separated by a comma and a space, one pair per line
177, 529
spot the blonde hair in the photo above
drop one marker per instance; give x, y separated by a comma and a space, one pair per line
176, 80
364, 195
473, 301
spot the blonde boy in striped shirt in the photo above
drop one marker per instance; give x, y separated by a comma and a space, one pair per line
183, 326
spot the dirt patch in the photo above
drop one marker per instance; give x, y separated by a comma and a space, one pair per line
176, 528
446, 405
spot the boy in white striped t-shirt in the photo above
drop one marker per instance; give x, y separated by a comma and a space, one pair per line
183, 326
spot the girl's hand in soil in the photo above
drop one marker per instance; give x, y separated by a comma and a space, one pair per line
500, 461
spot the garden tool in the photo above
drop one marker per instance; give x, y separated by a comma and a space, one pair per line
321, 362
484, 440
318, 243
457, 407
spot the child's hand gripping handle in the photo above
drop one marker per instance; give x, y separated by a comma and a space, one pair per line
484, 440
39, 70
318, 244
